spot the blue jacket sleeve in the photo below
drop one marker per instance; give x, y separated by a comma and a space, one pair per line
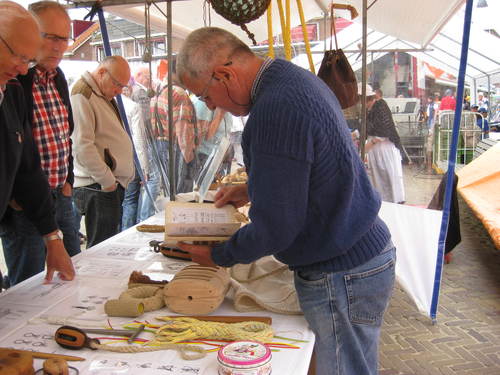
279, 196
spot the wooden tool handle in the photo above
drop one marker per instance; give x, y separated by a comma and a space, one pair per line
43, 355
231, 318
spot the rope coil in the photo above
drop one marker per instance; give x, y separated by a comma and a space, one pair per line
187, 329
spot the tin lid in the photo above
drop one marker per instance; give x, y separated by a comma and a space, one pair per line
244, 353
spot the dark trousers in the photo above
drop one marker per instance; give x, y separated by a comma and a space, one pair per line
102, 210
23, 246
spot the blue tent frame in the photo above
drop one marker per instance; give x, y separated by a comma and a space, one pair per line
451, 161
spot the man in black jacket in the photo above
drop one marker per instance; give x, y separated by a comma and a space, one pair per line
50, 116
23, 184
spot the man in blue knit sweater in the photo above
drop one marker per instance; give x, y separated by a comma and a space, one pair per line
312, 205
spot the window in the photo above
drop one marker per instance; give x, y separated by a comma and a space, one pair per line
159, 47
116, 50
100, 53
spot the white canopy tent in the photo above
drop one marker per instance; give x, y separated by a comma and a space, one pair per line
443, 51
386, 16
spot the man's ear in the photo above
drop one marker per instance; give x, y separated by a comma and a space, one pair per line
223, 73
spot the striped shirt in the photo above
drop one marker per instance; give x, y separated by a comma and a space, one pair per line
51, 128
184, 120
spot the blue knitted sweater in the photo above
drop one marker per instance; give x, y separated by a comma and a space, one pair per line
313, 206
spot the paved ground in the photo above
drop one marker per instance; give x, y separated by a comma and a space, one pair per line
466, 338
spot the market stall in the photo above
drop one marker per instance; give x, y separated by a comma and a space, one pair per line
31, 312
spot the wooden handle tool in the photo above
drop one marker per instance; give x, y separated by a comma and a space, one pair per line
42, 355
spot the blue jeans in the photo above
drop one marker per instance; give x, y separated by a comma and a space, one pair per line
146, 206
102, 210
131, 202
23, 246
345, 311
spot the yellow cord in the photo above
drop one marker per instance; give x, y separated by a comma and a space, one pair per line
306, 36
186, 329
283, 26
288, 32
270, 37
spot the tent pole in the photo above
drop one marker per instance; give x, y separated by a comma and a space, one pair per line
489, 91
171, 144
475, 91
363, 81
451, 161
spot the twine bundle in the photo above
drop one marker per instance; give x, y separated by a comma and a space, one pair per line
241, 12
186, 329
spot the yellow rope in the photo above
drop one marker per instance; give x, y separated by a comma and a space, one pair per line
186, 329
270, 37
306, 36
283, 26
288, 32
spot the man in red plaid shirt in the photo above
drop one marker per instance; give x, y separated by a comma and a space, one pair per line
46, 94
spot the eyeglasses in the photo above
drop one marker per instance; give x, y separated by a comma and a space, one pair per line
22, 59
115, 81
56, 38
203, 96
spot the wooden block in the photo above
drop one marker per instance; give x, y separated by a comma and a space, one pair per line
197, 290
15, 363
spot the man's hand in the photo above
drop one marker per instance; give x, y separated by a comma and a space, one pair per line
58, 260
67, 190
236, 195
111, 188
200, 254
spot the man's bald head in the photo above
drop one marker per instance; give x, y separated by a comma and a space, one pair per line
21, 40
112, 75
143, 76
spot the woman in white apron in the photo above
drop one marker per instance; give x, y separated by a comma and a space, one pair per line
383, 148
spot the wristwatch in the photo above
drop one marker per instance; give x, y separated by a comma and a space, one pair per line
58, 235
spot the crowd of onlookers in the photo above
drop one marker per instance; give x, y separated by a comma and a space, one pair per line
436, 104
67, 154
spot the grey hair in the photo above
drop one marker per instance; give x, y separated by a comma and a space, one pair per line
108, 61
206, 47
41, 6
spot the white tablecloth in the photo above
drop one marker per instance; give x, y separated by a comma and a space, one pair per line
102, 273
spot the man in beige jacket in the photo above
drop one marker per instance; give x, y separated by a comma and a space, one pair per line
102, 149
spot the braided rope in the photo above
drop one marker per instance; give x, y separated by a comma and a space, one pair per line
150, 296
187, 352
186, 329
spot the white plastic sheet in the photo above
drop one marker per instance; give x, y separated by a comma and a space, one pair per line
415, 233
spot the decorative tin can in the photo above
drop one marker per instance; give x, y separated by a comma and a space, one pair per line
244, 358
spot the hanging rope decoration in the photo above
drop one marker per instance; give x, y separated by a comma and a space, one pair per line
241, 12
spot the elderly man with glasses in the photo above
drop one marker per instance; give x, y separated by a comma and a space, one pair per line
312, 204
102, 149
23, 184
50, 116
